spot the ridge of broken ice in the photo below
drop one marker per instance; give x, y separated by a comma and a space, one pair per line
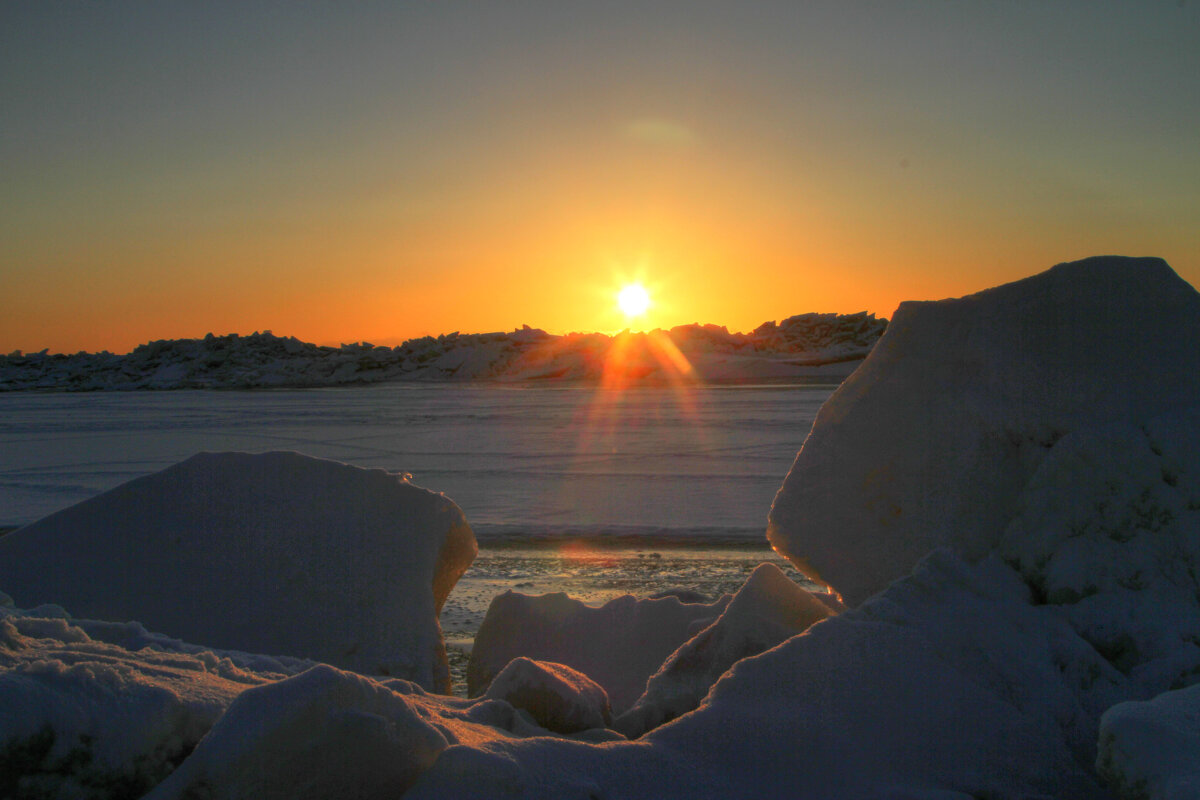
807, 345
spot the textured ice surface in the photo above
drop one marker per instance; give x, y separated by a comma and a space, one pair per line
930, 442
618, 645
768, 609
273, 553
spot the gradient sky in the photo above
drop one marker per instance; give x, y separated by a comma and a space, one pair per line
376, 171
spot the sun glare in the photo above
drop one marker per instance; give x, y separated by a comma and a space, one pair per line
633, 300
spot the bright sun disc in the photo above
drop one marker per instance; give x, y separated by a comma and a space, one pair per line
633, 300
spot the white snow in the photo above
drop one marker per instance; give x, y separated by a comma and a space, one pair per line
768, 609
929, 443
273, 553
618, 645
1151, 750
557, 697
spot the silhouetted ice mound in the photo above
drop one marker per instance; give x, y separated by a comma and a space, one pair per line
768, 609
930, 442
324, 733
558, 698
618, 645
273, 553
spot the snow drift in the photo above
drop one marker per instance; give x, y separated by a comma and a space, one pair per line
274, 553
931, 440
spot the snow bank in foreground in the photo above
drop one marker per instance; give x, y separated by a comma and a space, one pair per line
1151, 750
618, 645
768, 609
929, 443
271, 553
86, 718
325, 733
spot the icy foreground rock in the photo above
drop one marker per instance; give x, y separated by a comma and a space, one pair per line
932, 439
618, 645
273, 553
768, 609
557, 697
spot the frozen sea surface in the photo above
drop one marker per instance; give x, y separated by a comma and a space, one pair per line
524, 463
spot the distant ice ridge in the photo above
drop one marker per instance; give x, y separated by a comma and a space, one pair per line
815, 346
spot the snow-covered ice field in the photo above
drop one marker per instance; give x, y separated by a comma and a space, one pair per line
519, 461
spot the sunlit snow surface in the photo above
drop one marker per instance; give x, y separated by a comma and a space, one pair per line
536, 461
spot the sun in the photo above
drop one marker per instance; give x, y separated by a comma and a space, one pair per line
633, 300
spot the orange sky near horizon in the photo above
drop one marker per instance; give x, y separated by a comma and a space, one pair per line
307, 172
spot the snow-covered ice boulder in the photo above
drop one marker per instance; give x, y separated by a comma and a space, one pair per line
558, 698
618, 645
324, 733
274, 553
1151, 750
85, 718
931, 440
768, 609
